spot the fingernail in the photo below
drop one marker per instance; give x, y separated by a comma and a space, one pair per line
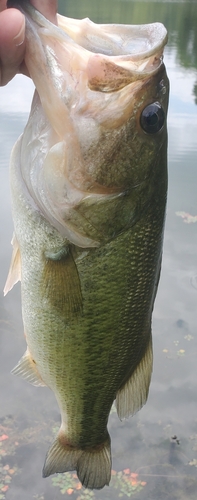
20, 37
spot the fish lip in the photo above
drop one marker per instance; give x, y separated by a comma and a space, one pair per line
156, 37
149, 61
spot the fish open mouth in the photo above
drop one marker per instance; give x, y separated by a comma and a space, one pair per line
115, 39
133, 47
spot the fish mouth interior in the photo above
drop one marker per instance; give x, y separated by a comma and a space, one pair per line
136, 41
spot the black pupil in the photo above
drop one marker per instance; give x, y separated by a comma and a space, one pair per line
152, 118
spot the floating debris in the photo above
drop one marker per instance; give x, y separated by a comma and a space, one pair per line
126, 482
6, 474
193, 462
188, 337
188, 218
181, 352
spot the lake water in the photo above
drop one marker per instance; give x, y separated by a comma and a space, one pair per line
155, 452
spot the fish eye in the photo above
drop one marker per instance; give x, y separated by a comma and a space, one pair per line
152, 118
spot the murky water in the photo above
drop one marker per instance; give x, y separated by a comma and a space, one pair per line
155, 452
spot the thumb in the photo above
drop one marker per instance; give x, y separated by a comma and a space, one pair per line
12, 43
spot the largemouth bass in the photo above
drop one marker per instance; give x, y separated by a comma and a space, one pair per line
88, 182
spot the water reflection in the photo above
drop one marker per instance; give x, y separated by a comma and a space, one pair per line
143, 444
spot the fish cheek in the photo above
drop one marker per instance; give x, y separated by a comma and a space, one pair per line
61, 285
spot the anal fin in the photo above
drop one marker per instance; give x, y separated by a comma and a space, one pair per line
133, 395
14, 274
26, 369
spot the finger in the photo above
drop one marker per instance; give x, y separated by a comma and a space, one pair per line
48, 8
12, 43
3, 4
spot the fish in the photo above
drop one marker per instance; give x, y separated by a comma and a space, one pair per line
88, 183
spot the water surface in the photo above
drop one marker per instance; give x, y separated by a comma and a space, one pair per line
157, 448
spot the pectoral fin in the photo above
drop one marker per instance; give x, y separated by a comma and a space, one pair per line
61, 284
26, 369
133, 395
14, 274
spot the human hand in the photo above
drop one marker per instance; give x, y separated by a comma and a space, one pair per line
12, 37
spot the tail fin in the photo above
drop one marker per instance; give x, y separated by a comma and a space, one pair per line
93, 465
